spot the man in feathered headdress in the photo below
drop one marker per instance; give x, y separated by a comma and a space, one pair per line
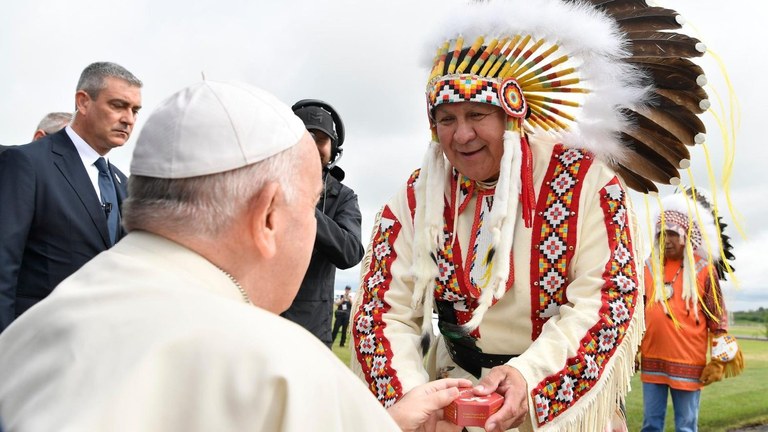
685, 312
516, 230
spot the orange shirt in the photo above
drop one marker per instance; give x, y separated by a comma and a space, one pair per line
674, 355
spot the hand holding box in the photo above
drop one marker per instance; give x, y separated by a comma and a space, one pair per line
471, 410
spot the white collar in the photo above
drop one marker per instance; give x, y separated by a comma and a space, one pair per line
86, 152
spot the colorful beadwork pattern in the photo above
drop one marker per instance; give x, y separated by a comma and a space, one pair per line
447, 282
479, 267
555, 228
449, 273
448, 285
461, 282
464, 88
373, 349
411, 192
672, 370
466, 188
555, 394
512, 99
682, 220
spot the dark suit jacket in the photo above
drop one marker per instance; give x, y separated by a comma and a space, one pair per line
51, 220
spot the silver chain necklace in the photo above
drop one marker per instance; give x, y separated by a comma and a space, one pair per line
237, 284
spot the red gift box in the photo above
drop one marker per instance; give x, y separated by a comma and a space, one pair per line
471, 410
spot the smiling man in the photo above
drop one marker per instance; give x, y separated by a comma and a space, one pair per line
516, 230
65, 194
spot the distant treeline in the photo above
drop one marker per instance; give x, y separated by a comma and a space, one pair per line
757, 316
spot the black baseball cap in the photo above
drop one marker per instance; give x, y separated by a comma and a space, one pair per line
316, 118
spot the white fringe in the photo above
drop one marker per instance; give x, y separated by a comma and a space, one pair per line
593, 411
428, 228
357, 301
502, 221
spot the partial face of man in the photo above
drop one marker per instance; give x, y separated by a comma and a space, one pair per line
107, 120
299, 233
674, 245
471, 136
323, 143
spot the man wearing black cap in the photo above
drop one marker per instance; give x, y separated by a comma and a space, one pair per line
338, 224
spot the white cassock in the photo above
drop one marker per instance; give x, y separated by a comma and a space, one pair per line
150, 336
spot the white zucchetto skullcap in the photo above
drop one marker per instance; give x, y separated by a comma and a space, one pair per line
213, 127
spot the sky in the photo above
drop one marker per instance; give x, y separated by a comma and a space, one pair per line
362, 58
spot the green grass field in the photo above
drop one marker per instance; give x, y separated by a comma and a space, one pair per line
748, 329
342, 353
725, 405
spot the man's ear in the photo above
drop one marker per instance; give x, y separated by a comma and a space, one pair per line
81, 101
264, 220
38, 134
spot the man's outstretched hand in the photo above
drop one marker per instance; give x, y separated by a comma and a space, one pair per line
421, 409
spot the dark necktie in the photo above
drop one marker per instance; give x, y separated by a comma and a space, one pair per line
108, 198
